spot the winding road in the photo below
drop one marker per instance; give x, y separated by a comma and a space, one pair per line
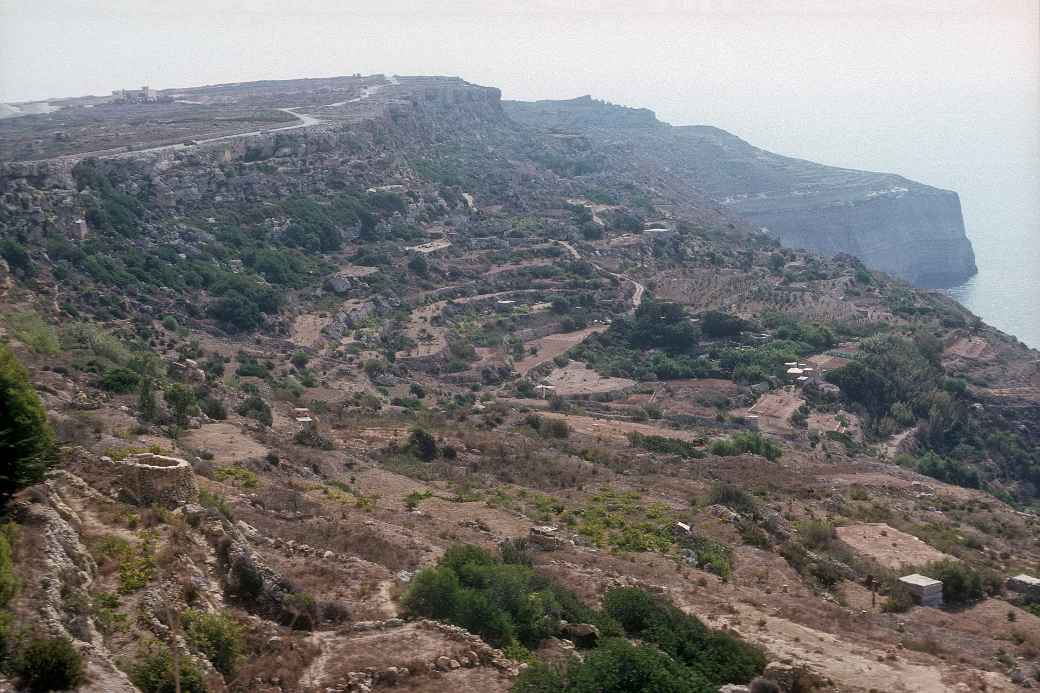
304, 120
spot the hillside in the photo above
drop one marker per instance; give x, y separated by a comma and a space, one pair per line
305, 344
892, 224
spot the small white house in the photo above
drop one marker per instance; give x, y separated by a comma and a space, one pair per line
926, 591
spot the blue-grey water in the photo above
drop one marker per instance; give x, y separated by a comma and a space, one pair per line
1006, 291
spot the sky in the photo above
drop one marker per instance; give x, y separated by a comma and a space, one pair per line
945, 92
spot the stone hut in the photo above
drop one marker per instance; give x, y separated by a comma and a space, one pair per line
149, 479
926, 591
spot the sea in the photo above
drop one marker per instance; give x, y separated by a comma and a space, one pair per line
1006, 291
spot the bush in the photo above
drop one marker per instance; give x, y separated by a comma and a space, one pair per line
311, 438
213, 408
17, 257
718, 324
120, 380
668, 446
718, 657
556, 428
962, 584
8, 580
181, 401
152, 672
217, 636
503, 603
422, 445
616, 666
733, 497
256, 408
747, 441
49, 664
26, 439
899, 600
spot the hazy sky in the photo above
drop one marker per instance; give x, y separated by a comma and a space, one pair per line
946, 92
783, 74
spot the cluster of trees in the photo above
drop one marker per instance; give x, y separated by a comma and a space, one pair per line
746, 441
505, 603
890, 370
26, 439
510, 605
111, 210
667, 446
676, 652
658, 342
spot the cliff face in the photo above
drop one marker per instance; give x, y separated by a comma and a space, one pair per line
907, 229
910, 230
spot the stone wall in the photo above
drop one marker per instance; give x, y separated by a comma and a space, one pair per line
149, 479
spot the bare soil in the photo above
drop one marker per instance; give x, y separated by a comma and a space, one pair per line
888, 546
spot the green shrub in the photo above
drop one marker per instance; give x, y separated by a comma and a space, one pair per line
213, 408
422, 444
236, 474
899, 600
26, 439
311, 438
962, 584
256, 408
9, 582
556, 428
616, 666
120, 380
733, 497
31, 330
49, 664
668, 446
17, 256
181, 401
716, 656
747, 441
504, 603
153, 672
216, 502
217, 636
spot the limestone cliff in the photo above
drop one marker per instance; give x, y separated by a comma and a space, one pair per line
905, 228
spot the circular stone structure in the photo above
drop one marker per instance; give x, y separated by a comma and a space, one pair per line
150, 479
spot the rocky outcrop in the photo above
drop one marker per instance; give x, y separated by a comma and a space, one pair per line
910, 230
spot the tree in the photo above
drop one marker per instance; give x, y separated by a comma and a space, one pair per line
217, 636
181, 400
419, 265
26, 439
422, 444
17, 257
120, 380
146, 404
49, 664
715, 323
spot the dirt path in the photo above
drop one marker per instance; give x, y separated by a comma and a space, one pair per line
891, 446
315, 672
431, 339
304, 120
637, 293
551, 346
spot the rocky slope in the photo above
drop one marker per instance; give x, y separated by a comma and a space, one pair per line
408, 322
907, 229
